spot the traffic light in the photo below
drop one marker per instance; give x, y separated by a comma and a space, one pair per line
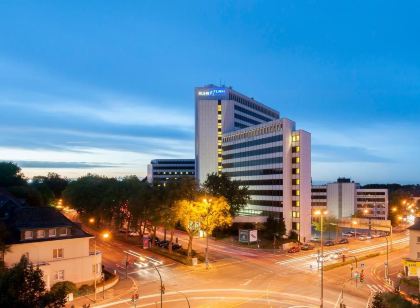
362, 276
162, 289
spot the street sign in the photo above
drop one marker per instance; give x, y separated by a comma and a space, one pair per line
253, 236
243, 236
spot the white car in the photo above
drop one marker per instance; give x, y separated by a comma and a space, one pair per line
336, 255
363, 238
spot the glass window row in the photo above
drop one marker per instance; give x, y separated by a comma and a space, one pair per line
257, 162
276, 149
249, 112
253, 143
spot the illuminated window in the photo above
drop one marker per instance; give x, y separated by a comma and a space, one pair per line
296, 149
58, 253
296, 203
295, 214
40, 233
29, 235
295, 138
295, 182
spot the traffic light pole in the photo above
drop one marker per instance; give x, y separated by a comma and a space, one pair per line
161, 286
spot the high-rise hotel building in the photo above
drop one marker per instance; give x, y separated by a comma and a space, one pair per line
249, 142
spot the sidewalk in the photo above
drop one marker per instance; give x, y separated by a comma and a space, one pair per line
124, 288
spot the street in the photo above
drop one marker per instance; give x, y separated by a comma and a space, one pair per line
246, 277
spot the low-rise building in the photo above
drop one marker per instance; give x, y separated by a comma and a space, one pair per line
345, 198
412, 262
159, 171
58, 246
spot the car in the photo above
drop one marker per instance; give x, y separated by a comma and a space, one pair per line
329, 243
315, 239
176, 246
343, 241
163, 244
347, 234
307, 247
376, 235
134, 233
294, 249
368, 237
335, 256
362, 238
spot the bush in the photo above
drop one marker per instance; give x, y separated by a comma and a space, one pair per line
68, 286
85, 289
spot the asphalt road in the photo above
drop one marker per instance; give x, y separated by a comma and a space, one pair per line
244, 277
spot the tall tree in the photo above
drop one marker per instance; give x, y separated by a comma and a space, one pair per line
215, 214
221, 185
23, 286
330, 224
189, 213
11, 175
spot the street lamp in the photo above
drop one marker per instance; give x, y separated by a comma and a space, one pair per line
91, 220
207, 236
354, 223
322, 214
105, 235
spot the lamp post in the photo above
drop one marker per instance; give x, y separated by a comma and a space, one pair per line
186, 298
321, 214
207, 202
354, 223
105, 236
162, 288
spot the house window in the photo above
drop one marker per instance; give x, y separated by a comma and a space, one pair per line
418, 255
58, 253
59, 275
418, 239
63, 231
40, 233
295, 214
52, 232
29, 235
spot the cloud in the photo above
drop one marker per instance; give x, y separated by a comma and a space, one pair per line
338, 153
63, 165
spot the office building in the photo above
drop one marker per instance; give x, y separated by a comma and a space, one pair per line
220, 110
159, 171
250, 143
345, 198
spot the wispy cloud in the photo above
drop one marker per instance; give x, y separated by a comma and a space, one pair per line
337, 153
63, 165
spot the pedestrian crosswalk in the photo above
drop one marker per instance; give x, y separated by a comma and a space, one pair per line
374, 288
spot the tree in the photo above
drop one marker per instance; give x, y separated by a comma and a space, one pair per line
4, 247
377, 301
174, 191
330, 224
215, 213
45, 192
221, 185
274, 227
11, 175
189, 213
23, 286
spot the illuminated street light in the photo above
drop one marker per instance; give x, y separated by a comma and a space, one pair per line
394, 209
321, 214
91, 220
105, 235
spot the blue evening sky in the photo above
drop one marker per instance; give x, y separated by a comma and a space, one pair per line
106, 86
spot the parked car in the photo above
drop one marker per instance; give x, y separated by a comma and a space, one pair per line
176, 246
307, 247
315, 239
343, 241
294, 249
329, 243
362, 238
347, 234
376, 235
157, 241
163, 244
335, 255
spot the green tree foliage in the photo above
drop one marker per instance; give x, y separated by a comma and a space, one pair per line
274, 227
11, 175
45, 192
391, 300
54, 182
220, 185
23, 286
330, 224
